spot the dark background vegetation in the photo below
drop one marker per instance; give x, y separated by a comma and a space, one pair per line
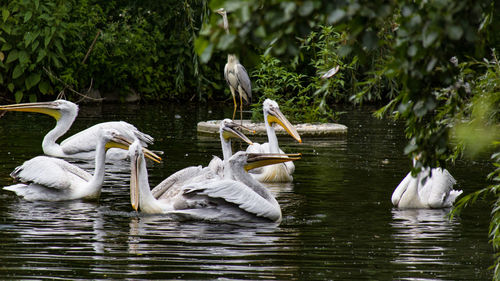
434, 64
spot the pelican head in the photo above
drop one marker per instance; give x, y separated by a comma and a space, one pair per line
115, 140
249, 161
228, 130
135, 153
272, 114
56, 109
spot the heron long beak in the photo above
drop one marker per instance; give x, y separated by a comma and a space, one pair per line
275, 116
229, 131
49, 108
123, 143
256, 160
134, 181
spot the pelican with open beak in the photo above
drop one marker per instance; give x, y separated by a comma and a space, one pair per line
237, 197
83, 144
46, 178
281, 172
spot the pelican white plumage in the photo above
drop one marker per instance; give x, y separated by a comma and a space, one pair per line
227, 131
238, 197
46, 178
430, 189
280, 172
83, 144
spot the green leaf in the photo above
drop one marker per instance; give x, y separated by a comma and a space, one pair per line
13, 55
23, 57
5, 14
207, 53
18, 71
32, 80
455, 32
6, 47
32, 98
429, 38
44, 87
7, 28
41, 55
2, 56
1, 78
27, 16
10, 87
19, 96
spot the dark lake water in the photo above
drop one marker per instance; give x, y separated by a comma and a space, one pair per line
338, 221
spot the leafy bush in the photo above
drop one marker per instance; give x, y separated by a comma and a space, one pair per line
32, 36
145, 47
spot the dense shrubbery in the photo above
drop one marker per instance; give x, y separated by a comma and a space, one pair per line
144, 47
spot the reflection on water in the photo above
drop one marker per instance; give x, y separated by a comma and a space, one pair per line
423, 238
338, 222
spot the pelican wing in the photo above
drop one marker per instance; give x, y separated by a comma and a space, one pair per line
437, 188
236, 193
216, 165
50, 172
86, 140
178, 178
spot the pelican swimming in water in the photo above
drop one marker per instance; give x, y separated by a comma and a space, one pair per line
430, 189
215, 169
227, 131
83, 144
238, 197
280, 172
46, 178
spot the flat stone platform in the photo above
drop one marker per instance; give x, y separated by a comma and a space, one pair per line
211, 127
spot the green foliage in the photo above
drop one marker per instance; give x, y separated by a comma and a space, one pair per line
145, 47
292, 91
32, 35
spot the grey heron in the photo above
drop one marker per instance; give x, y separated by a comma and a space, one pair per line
235, 74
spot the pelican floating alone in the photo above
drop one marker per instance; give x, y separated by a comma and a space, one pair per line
83, 144
46, 178
238, 197
280, 172
434, 193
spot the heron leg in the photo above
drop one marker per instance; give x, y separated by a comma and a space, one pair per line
234, 101
241, 110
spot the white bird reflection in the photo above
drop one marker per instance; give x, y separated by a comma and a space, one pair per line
423, 237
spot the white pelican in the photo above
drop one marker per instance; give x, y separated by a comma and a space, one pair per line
430, 189
83, 144
274, 173
239, 197
227, 131
46, 178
